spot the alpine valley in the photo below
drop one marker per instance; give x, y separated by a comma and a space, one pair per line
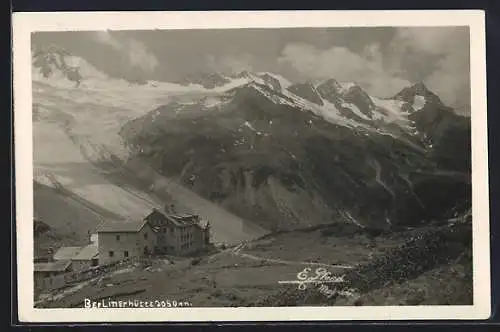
256, 154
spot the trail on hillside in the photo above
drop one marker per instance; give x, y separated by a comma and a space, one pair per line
237, 251
378, 176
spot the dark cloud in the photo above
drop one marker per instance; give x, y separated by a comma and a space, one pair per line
439, 56
381, 59
135, 52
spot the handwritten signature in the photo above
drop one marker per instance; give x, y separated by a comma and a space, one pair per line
320, 276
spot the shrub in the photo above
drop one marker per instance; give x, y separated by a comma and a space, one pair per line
195, 261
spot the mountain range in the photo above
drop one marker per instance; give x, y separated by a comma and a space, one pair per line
286, 154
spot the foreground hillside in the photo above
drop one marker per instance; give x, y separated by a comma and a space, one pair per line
407, 267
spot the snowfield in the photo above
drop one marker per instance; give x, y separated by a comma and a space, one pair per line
419, 102
75, 128
57, 159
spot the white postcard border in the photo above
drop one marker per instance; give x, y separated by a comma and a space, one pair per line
26, 23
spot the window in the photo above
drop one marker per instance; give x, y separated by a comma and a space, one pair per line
125, 254
118, 238
111, 254
145, 236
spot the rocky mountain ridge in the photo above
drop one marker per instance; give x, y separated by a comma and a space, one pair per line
308, 153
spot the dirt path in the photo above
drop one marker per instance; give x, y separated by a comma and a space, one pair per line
457, 175
237, 251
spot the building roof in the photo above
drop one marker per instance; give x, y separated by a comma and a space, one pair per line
185, 218
87, 253
176, 219
122, 226
165, 215
203, 227
58, 266
66, 253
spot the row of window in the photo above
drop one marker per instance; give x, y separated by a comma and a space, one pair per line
118, 237
187, 245
165, 230
111, 253
186, 237
172, 230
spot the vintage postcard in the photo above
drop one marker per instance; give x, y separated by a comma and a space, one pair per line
251, 166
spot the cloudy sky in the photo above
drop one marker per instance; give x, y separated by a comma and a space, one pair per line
382, 60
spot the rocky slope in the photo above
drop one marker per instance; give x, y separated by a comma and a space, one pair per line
300, 154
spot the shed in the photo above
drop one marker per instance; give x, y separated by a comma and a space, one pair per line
51, 275
53, 267
86, 258
66, 253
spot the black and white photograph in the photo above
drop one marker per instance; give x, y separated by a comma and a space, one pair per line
332, 169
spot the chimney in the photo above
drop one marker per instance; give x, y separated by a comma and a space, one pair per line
170, 208
50, 254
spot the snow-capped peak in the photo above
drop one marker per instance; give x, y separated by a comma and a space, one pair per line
283, 81
346, 86
417, 94
56, 66
54, 60
274, 81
